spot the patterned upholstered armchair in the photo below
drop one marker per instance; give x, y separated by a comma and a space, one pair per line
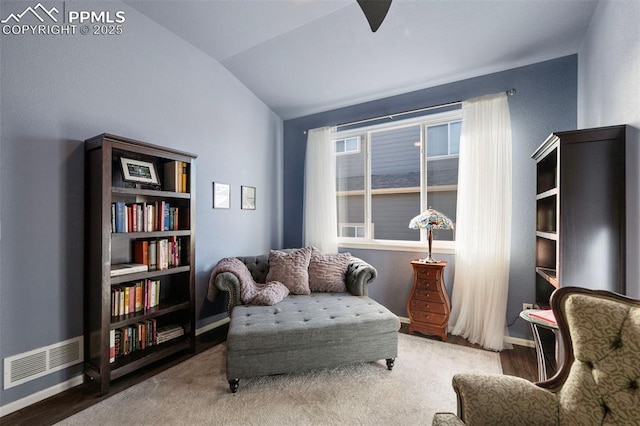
598, 384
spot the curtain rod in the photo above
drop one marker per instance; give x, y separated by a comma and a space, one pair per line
509, 92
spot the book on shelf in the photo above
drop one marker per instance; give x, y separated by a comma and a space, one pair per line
169, 332
119, 269
141, 252
544, 315
119, 220
185, 176
153, 255
174, 176
112, 346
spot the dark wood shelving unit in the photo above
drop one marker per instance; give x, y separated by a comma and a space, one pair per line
580, 211
580, 217
104, 186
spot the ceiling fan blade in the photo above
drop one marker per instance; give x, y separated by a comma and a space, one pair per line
375, 11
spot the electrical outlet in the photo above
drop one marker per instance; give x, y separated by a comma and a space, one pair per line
526, 306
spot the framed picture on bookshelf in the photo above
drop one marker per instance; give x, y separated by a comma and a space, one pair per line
221, 195
139, 171
248, 197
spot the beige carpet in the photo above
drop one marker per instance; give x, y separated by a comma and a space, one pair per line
196, 392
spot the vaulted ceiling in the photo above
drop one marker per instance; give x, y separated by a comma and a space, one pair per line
306, 56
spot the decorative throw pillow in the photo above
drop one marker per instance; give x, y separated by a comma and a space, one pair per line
291, 269
327, 271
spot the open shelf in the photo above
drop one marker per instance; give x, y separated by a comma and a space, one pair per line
549, 275
150, 274
162, 309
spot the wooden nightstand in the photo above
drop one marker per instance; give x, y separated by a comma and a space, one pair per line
428, 305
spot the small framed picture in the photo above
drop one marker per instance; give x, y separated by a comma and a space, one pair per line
139, 171
248, 197
221, 195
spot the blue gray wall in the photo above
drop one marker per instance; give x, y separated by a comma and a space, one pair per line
146, 84
545, 102
609, 94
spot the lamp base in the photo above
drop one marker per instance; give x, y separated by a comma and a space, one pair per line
429, 259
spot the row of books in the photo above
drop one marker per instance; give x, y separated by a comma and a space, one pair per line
140, 336
135, 297
176, 175
124, 340
161, 253
147, 217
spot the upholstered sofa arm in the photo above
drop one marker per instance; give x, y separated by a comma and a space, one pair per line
510, 400
359, 275
446, 419
229, 282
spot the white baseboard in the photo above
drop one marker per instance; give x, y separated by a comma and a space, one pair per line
507, 339
41, 395
520, 342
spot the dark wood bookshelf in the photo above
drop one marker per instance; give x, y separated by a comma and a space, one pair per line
105, 185
580, 217
580, 196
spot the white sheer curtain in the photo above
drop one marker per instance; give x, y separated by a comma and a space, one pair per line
320, 220
483, 236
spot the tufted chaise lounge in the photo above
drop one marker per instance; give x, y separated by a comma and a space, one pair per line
598, 383
306, 331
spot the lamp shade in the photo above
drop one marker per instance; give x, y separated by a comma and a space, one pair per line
431, 219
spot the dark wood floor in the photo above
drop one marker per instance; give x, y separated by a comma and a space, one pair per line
519, 361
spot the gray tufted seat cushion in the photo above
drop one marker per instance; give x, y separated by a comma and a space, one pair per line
301, 321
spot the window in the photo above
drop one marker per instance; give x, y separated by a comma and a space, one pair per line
347, 146
389, 178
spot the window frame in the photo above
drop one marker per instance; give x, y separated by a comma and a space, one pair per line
364, 142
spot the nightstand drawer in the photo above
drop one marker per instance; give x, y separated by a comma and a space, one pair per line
427, 306
427, 285
428, 274
429, 317
430, 295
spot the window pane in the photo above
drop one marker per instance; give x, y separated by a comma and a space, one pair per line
351, 145
350, 193
395, 183
454, 137
442, 172
437, 140
445, 202
340, 145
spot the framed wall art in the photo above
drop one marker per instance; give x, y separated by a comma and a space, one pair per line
221, 195
248, 197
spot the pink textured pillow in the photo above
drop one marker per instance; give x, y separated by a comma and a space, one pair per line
291, 269
327, 271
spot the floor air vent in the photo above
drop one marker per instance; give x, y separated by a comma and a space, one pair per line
21, 368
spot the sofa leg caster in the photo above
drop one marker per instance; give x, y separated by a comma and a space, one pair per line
390, 362
233, 385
